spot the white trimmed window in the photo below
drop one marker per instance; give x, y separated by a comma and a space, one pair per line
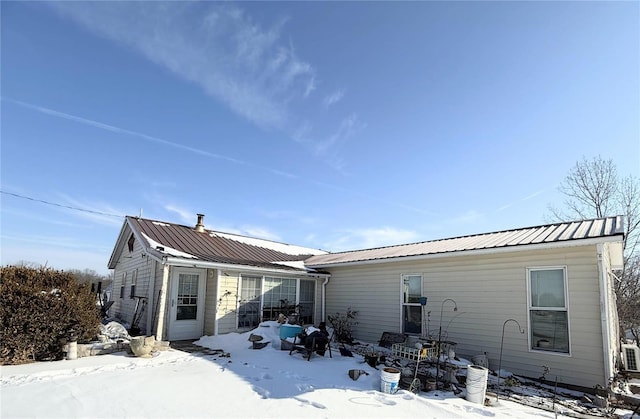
134, 280
411, 308
548, 309
123, 284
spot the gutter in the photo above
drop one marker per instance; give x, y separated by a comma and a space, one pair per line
196, 263
324, 298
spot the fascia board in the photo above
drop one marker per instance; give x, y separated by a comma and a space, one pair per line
117, 249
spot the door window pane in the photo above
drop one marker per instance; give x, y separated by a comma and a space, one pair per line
411, 308
307, 300
412, 288
249, 309
187, 298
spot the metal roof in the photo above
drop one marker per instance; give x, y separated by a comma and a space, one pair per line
575, 231
211, 246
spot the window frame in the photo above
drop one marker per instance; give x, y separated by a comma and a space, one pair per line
123, 284
244, 304
531, 308
185, 296
134, 279
416, 304
266, 277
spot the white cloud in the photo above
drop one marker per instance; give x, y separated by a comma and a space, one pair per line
333, 98
366, 238
348, 127
217, 46
329, 147
150, 138
187, 216
222, 49
260, 233
98, 212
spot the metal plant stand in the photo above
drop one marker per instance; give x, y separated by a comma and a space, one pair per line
413, 354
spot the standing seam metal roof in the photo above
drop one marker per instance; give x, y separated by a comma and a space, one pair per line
550, 233
211, 247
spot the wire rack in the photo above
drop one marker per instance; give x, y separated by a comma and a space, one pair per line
413, 354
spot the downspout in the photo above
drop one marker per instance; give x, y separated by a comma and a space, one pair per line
324, 299
162, 305
151, 297
603, 279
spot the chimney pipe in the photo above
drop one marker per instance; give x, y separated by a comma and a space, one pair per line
199, 224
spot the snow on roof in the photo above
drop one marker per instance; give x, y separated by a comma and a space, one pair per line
166, 249
298, 264
159, 223
288, 249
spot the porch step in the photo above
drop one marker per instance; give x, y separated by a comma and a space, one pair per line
189, 347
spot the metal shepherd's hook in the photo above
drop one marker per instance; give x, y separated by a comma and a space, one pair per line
455, 308
501, 344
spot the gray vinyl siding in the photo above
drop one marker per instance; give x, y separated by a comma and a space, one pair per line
155, 272
210, 302
131, 263
488, 290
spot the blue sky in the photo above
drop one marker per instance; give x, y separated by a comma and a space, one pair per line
333, 125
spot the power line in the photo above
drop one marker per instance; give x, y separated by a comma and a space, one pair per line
61, 205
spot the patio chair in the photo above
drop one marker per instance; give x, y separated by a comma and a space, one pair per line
318, 342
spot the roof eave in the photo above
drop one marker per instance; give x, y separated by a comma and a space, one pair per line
493, 250
196, 263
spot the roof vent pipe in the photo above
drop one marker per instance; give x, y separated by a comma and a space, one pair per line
199, 225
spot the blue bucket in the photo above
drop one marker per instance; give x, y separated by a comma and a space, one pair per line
289, 330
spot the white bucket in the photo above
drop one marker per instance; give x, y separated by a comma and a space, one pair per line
72, 350
389, 378
480, 360
476, 383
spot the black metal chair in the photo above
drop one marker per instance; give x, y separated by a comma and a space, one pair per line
318, 342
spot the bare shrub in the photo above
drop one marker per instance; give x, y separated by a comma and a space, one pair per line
39, 311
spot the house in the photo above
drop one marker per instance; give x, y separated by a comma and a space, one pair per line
556, 281
180, 282
553, 281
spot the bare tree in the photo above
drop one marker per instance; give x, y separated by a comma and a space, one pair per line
92, 277
628, 293
593, 190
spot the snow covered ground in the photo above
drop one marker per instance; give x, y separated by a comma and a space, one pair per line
265, 383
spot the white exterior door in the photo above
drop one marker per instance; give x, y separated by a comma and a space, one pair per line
187, 303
